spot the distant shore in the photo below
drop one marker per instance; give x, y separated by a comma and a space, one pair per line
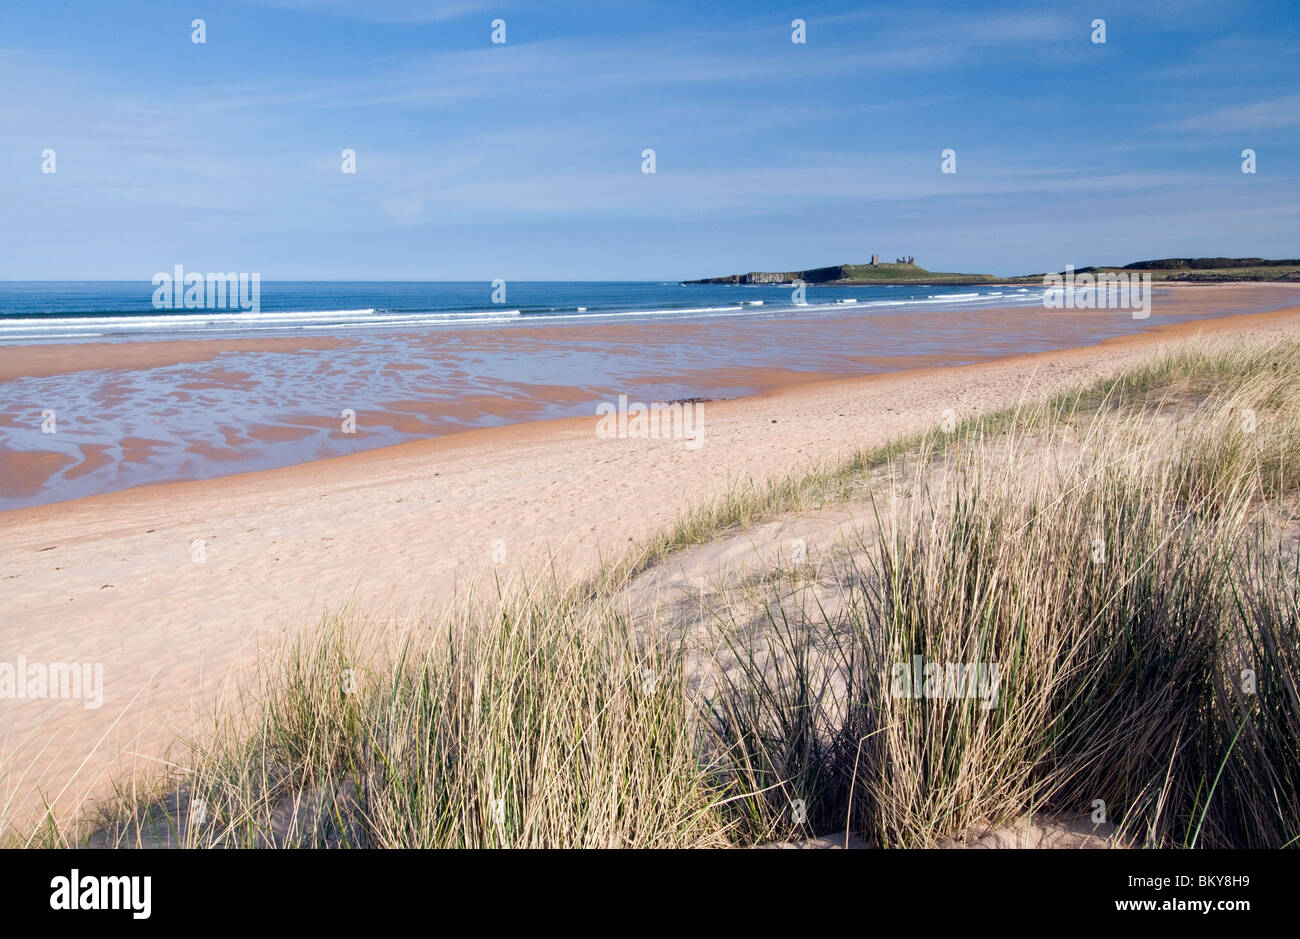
1037, 279
905, 272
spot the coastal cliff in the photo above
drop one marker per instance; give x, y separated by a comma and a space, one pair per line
901, 272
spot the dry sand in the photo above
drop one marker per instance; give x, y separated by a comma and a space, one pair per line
113, 579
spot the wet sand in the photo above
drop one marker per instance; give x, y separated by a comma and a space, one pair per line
143, 412
34, 361
113, 579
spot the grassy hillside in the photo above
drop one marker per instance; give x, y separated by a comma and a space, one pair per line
1269, 271
1195, 270
906, 274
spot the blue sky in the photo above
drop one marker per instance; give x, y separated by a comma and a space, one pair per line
523, 160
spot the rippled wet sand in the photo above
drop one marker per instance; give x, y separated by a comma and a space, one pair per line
128, 414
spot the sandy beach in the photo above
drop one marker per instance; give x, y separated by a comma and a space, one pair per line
176, 587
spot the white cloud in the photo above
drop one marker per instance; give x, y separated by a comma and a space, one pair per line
1258, 115
388, 11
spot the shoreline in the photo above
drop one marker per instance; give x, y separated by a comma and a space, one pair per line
140, 413
771, 385
398, 532
43, 359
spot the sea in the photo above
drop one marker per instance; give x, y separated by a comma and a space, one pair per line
106, 311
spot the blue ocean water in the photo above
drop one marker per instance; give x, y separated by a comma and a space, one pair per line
40, 311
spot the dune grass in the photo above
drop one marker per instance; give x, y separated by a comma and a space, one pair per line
1120, 553
1133, 603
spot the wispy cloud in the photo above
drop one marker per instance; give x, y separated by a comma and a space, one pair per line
389, 11
1258, 115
